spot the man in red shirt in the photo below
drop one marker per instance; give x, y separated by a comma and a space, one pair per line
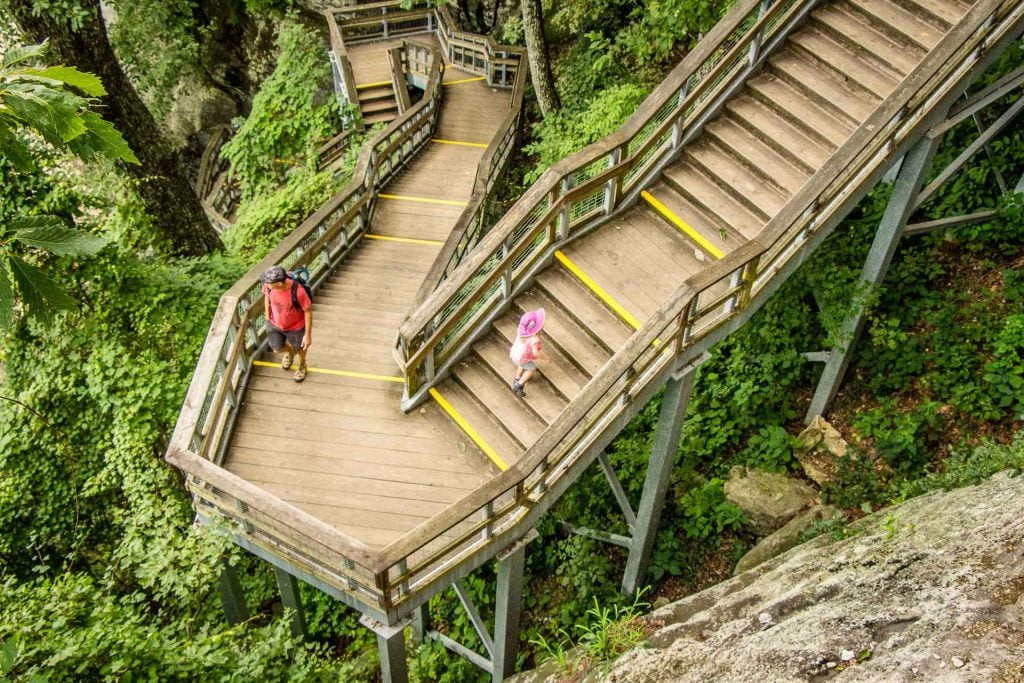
289, 328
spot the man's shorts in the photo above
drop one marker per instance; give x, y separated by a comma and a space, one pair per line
278, 337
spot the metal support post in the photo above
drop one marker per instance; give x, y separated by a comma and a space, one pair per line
508, 604
904, 193
420, 624
288, 585
231, 595
391, 648
663, 452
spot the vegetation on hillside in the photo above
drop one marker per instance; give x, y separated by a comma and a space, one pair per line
103, 575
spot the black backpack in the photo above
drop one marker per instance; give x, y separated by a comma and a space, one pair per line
300, 278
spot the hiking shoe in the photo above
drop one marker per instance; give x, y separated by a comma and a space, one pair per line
300, 373
518, 389
286, 361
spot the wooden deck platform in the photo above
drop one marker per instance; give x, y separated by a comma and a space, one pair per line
337, 445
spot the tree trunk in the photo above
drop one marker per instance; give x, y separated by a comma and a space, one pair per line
162, 180
537, 53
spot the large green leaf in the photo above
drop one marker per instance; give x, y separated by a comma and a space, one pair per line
66, 75
101, 139
20, 53
54, 117
6, 295
14, 148
50, 233
41, 294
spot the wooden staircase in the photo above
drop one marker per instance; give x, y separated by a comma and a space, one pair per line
726, 185
377, 103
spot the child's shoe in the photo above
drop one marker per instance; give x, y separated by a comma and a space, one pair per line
517, 389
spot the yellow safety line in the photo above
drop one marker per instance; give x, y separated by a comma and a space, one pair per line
378, 84
470, 432
682, 225
426, 200
410, 240
340, 373
464, 80
458, 142
596, 289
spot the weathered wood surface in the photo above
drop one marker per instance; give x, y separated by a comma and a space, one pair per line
338, 447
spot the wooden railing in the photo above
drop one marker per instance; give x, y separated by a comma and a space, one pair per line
699, 311
470, 52
237, 336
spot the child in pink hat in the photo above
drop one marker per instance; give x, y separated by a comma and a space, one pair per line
526, 349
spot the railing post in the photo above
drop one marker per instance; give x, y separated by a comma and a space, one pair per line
562, 232
677, 127
428, 361
755, 44
288, 585
611, 188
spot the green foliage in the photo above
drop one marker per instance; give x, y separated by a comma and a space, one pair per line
706, 511
771, 449
41, 99
291, 115
567, 131
970, 466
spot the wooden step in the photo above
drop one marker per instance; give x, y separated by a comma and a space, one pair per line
382, 117
719, 234
843, 62
719, 205
376, 106
777, 132
585, 309
943, 12
482, 421
846, 24
544, 398
496, 395
562, 372
576, 341
840, 98
816, 122
746, 186
754, 152
899, 22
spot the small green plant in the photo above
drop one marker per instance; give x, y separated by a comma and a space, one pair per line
706, 511
837, 526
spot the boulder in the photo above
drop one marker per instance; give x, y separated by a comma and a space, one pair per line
819, 449
769, 499
785, 538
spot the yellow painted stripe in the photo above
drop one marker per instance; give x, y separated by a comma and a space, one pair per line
675, 220
425, 200
458, 142
464, 80
470, 432
596, 289
339, 373
378, 84
409, 240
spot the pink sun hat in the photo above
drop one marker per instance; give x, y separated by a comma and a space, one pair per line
531, 322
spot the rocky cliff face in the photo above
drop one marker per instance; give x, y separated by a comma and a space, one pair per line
930, 590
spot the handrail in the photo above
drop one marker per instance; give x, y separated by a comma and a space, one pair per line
585, 188
697, 312
344, 79
237, 335
211, 164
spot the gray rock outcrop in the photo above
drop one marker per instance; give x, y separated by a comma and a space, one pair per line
818, 451
785, 538
930, 590
768, 499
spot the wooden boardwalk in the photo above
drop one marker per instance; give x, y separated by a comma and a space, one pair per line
751, 159
337, 446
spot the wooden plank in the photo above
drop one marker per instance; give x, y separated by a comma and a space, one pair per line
845, 23
309, 420
359, 493
544, 399
600, 324
719, 234
482, 421
836, 55
800, 110
776, 131
896, 18
562, 372
495, 394
743, 144
612, 272
695, 184
323, 455
583, 344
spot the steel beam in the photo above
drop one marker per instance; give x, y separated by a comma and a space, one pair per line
391, 648
231, 595
617, 490
508, 606
420, 624
663, 453
290, 598
901, 203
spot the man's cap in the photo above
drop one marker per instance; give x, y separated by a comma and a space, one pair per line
274, 274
